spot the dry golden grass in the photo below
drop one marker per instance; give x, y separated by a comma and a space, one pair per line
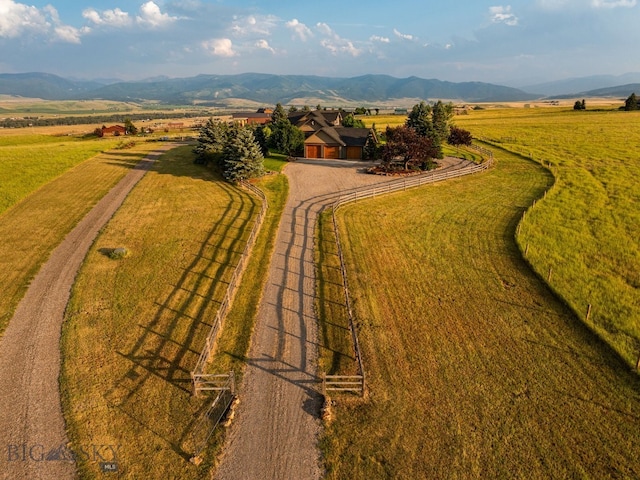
474, 369
136, 326
32, 228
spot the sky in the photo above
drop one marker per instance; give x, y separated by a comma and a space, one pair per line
517, 43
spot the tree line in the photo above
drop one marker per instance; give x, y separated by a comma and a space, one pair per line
239, 151
32, 121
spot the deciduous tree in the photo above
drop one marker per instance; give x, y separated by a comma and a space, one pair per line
458, 136
129, 127
407, 148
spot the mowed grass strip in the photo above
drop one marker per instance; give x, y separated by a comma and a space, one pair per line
30, 161
34, 226
136, 326
474, 369
586, 232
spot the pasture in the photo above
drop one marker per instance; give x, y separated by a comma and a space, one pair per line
135, 326
47, 184
583, 237
474, 368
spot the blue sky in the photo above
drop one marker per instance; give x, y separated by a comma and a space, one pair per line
515, 42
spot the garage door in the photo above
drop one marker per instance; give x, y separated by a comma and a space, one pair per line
354, 153
331, 152
313, 151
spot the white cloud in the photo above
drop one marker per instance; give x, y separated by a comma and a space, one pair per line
613, 3
264, 45
17, 19
334, 43
299, 29
502, 14
261, 25
220, 47
404, 36
66, 33
325, 29
151, 15
376, 38
113, 18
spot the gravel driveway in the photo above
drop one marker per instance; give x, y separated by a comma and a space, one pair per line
276, 428
32, 429
277, 425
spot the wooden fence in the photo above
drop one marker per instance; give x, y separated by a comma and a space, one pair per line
198, 377
357, 383
224, 386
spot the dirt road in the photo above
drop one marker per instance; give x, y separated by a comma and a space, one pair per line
277, 422
32, 429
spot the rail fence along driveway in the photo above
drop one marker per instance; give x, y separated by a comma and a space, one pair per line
357, 383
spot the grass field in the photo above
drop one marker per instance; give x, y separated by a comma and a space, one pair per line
474, 369
586, 232
44, 195
29, 161
135, 327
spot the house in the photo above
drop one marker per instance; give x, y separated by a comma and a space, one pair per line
251, 118
325, 137
338, 143
313, 120
115, 130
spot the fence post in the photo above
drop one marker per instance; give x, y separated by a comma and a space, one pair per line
232, 382
526, 250
549, 276
588, 312
195, 387
324, 384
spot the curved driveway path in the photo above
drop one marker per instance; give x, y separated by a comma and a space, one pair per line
32, 431
275, 433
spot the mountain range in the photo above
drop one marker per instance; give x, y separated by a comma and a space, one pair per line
293, 89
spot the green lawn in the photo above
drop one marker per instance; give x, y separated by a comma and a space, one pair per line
29, 161
474, 368
43, 201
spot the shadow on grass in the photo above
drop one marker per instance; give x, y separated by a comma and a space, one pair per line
170, 343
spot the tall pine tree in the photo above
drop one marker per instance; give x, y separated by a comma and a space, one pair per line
242, 158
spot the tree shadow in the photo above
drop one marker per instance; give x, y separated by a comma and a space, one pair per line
170, 342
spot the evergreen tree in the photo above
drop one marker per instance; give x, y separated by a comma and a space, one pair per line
279, 114
242, 158
211, 140
440, 117
261, 134
631, 103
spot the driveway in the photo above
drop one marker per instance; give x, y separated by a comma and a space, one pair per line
277, 423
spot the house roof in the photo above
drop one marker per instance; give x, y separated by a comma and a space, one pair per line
316, 118
343, 136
